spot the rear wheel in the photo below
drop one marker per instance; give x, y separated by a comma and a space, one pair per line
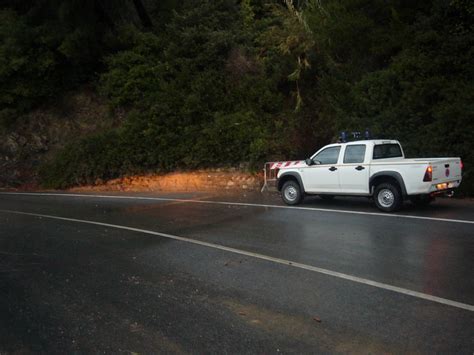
388, 197
291, 193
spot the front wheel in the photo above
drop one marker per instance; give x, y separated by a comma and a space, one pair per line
291, 193
388, 197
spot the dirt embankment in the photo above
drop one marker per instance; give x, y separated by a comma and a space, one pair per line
199, 180
37, 136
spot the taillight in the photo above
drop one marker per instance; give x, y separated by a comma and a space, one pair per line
428, 174
461, 165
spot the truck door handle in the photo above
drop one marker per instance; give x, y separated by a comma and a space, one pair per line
360, 167
333, 168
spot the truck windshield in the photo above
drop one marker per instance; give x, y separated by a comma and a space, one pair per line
382, 151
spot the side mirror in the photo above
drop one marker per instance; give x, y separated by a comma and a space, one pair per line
309, 162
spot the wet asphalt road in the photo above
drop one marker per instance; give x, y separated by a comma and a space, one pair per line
75, 286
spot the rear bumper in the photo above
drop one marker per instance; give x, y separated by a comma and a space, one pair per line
435, 187
444, 187
447, 192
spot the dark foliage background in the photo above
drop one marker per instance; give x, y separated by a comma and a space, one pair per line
216, 83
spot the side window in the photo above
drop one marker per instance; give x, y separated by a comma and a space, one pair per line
354, 154
328, 155
383, 151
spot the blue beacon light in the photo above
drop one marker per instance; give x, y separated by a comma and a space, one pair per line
343, 136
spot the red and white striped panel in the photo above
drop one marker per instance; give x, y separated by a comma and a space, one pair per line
285, 164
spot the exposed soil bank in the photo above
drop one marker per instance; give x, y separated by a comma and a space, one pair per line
199, 180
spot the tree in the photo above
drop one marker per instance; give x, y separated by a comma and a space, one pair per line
143, 14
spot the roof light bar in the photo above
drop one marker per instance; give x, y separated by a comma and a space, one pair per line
356, 135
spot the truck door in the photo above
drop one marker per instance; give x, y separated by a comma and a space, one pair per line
354, 171
323, 176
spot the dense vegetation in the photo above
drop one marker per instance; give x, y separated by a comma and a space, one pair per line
220, 82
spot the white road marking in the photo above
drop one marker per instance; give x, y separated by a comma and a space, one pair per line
340, 275
244, 204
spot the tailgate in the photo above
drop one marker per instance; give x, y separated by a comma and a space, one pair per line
446, 169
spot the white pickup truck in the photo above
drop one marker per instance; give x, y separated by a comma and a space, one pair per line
371, 168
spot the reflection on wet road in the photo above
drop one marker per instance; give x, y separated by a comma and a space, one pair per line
239, 296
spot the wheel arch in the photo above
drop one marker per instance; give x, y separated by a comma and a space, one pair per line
290, 176
387, 176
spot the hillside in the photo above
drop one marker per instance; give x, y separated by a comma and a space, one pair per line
221, 83
39, 135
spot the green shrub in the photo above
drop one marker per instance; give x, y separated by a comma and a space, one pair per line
82, 162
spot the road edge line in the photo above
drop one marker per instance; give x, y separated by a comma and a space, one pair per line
319, 270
